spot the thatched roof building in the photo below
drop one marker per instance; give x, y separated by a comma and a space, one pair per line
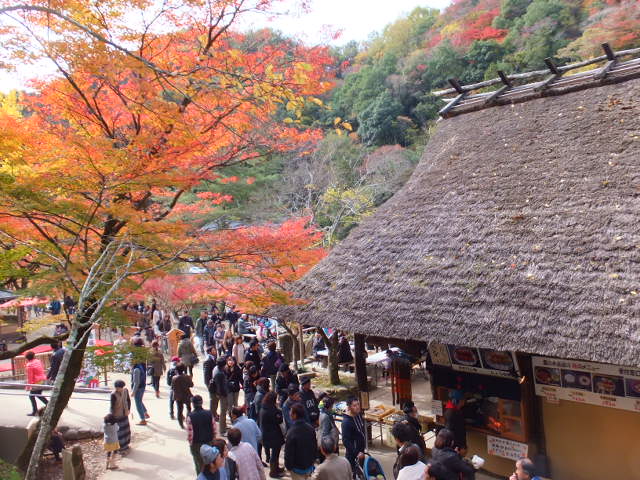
519, 230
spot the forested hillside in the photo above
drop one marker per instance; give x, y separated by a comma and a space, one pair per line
383, 90
385, 85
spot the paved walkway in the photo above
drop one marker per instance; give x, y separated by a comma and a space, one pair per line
159, 449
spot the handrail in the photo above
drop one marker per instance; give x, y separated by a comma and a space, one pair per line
42, 386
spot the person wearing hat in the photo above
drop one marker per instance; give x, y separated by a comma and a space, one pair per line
212, 462
454, 420
172, 372
309, 400
293, 398
201, 430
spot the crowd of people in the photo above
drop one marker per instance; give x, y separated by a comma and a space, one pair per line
279, 422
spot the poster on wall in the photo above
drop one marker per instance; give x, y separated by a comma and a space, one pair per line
587, 382
501, 447
483, 361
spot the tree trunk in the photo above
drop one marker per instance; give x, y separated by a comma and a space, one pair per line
60, 395
332, 358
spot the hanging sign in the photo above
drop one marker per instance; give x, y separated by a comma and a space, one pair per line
436, 407
439, 354
587, 382
482, 361
501, 447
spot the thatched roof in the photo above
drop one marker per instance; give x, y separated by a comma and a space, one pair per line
519, 230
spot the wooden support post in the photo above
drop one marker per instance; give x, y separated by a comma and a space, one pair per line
456, 85
360, 362
491, 99
608, 51
449, 106
462, 93
551, 66
556, 74
611, 62
504, 78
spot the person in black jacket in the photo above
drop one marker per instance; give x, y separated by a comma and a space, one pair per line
344, 351
186, 324
207, 369
284, 380
220, 394
444, 454
309, 401
234, 382
201, 428
411, 418
172, 372
272, 437
300, 451
253, 355
353, 433
270, 363
262, 388
56, 360
249, 379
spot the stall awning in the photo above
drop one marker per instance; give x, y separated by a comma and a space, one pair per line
24, 302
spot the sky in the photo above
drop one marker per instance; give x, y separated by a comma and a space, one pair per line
355, 19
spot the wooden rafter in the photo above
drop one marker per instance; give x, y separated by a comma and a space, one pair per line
516, 89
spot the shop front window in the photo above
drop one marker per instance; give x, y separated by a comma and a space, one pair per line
485, 410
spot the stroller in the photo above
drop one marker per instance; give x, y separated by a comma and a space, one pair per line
369, 469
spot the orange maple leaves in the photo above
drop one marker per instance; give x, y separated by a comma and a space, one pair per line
115, 144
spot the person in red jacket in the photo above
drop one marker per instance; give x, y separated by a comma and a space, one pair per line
35, 376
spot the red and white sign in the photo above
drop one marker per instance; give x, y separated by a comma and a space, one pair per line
587, 382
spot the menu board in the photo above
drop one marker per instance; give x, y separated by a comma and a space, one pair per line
483, 361
439, 354
501, 447
587, 382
